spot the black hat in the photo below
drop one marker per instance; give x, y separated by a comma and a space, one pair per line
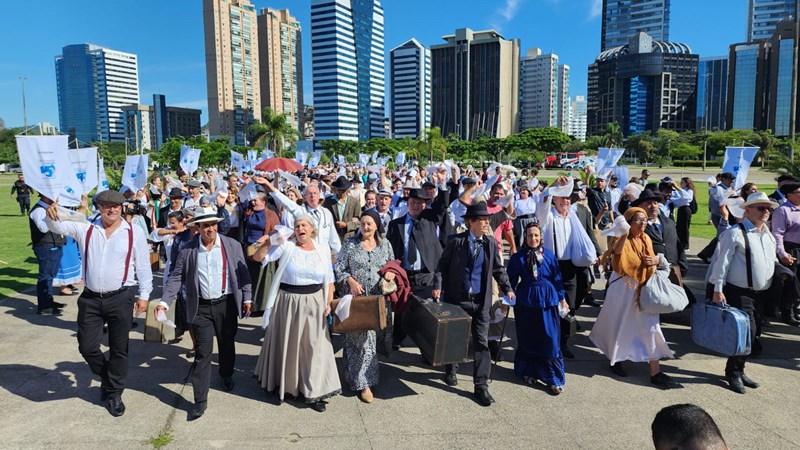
418, 193
727, 176
476, 210
787, 177
357, 179
427, 185
376, 217
175, 193
663, 186
645, 196
109, 196
789, 187
341, 183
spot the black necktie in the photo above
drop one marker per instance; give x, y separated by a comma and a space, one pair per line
412, 244
476, 248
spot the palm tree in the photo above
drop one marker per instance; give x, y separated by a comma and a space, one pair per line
613, 135
431, 141
275, 130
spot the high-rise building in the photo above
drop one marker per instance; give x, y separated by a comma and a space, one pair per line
147, 127
183, 122
140, 127
347, 68
475, 84
577, 118
94, 83
644, 85
764, 15
281, 64
712, 93
161, 126
410, 74
624, 18
232, 75
544, 91
748, 85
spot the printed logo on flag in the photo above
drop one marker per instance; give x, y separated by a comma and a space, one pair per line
49, 170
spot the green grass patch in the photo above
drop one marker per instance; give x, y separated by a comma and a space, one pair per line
162, 440
18, 267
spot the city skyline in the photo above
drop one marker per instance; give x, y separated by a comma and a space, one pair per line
173, 64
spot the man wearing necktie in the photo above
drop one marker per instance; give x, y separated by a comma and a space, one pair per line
664, 234
465, 272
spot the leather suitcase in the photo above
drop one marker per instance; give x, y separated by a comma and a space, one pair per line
721, 328
155, 262
366, 313
440, 330
154, 331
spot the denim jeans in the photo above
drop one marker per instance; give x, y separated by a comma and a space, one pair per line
49, 260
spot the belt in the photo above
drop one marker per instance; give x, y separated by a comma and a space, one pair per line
300, 289
87, 293
213, 301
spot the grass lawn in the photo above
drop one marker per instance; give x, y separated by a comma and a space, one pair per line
18, 268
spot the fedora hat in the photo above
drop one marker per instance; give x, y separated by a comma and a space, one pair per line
341, 183
645, 196
204, 215
759, 198
789, 187
476, 210
176, 193
419, 193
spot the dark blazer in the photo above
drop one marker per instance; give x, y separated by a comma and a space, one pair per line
587, 221
351, 209
667, 242
429, 245
184, 273
450, 270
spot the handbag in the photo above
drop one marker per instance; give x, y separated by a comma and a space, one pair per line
251, 250
660, 296
366, 313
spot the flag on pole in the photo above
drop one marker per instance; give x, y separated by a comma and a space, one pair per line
46, 165
607, 158
341, 159
134, 175
737, 161
252, 155
400, 158
102, 181
363, 159
301, 157
190, 159
267, 154
84, 163
237, 161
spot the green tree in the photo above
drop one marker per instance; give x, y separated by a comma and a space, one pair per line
274, 129
642, 145
612, 135
431, 144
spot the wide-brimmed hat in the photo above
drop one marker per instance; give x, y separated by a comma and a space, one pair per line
205, 215
341, 183
357, 179
759, 198
420, 194
176, 193
385, 191
109, 196
428, 185
645, 196
789, 187
476, 210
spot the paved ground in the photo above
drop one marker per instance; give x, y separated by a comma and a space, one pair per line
49, 399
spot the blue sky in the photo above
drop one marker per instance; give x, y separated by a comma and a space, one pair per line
168, 38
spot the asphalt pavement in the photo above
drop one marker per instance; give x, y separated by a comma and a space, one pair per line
49, 398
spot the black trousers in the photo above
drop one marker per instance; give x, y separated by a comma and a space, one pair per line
24, 204
682, 225
220, 320
482, 364
748, 301
117, 312
576, 282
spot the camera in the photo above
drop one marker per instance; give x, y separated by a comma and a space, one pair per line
134, 209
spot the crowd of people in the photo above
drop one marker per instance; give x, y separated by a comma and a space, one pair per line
282, 246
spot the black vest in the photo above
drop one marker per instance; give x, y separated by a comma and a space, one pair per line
48, 239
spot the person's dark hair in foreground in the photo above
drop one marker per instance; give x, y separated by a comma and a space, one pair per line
686, 427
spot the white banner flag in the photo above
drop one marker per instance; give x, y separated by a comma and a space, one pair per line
313, 162
84, 162
134, 175
375, 157
237, 161
363, 159
737, 161
267, 154
607, 158
102, 181
46, 165
341, 160
252, 155
400, 158
301, 157
621, 172
190, 159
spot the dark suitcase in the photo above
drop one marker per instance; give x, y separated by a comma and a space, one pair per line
440, 330
366, 313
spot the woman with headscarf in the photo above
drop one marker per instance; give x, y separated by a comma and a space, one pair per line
297, 356
622, 331
536, 279
525, 208
356, 271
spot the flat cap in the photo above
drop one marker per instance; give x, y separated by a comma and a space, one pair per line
109, 196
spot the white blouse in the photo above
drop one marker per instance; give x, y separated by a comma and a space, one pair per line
305, 268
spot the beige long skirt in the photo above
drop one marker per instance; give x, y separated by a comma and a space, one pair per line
297, 355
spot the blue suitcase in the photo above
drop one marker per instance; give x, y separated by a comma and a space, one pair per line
721, 328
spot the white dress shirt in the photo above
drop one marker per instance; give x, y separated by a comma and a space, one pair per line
38, 215
549, 218
730, 264
682, 197
105, 261
326, 232
209, 271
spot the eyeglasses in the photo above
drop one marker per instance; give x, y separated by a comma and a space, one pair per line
762, 208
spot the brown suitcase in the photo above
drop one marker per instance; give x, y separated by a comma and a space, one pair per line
366, 313
155, 262
155, 331
440, 330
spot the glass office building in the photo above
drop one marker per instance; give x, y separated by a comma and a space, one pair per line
410, 72
712, 93
347, 66
764, 15
624, 18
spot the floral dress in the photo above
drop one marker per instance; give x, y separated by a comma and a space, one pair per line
361, 349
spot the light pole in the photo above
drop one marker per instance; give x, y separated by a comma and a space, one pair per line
24, 105
705, 119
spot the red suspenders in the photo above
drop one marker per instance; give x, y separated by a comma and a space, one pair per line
127, 257
224, 267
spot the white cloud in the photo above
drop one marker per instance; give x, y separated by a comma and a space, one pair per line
504, 14
595, 9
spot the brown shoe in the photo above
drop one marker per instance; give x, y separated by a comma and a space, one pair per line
365, 395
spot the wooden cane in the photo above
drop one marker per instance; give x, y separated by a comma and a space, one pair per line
499, 346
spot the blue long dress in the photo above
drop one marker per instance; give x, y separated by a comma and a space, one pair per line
537, 321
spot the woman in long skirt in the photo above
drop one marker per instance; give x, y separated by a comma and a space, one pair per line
536, 279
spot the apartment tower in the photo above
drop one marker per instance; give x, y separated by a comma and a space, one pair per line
281, 64
410, 73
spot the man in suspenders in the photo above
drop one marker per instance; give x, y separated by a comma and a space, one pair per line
111, 251
742, 274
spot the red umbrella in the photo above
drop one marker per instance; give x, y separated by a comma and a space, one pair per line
274, 164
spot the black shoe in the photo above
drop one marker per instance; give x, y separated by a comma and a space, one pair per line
483, 396
198, 411
318, 406
788, 318
55, 311
450, 379
736, 383
115, 405
704, 259
618, 370
227, 383
59, 305
590, 301
747, 381
664, 381
565, 351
